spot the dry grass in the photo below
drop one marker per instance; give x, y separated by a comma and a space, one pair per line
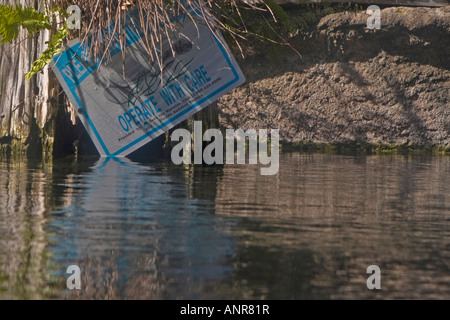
103, 20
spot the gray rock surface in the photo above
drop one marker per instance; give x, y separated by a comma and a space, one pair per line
351, 84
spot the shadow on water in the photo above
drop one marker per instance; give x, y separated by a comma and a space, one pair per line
153, 230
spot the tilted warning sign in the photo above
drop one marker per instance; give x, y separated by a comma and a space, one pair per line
125, 107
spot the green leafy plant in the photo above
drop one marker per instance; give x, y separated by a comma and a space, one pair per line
55, 46
12, 18
279, 14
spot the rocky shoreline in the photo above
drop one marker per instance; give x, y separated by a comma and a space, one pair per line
352, 88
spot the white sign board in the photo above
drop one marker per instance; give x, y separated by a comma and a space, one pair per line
123, 112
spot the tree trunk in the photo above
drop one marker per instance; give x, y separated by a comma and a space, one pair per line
26, 107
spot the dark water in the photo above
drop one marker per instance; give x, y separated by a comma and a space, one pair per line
160, 231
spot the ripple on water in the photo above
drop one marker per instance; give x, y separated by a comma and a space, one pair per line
157, 230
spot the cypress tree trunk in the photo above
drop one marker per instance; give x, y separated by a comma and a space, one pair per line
25, 106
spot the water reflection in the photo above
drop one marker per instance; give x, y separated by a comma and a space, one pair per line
134, 229
324, 219
159, 231
23, 203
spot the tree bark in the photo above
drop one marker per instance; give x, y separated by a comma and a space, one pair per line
26, 107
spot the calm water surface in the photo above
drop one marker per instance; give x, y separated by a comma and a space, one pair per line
160, 231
